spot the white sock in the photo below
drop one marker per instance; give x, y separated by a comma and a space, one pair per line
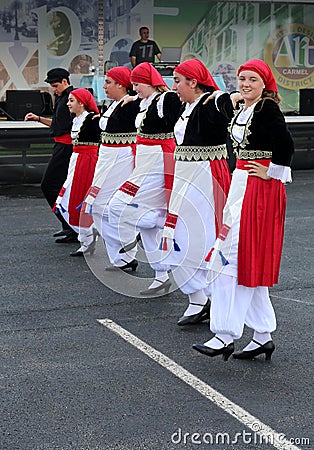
82, 248
85, 240
84, 245
159, 276
216, 343
197, 301
261, 338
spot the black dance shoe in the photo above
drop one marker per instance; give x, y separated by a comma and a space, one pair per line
130, 265
196, 318
62, 233
225, 351
68, 239
77, 253
131, 245
164, 285
87, 248
266, 348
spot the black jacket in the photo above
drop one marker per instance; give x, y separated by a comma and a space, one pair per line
62, 118
89, 131
266, 130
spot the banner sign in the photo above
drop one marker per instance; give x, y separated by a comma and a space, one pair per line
290, 54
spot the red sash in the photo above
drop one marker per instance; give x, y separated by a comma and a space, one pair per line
242, 163
64, 139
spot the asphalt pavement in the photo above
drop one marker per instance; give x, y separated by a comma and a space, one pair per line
89, 364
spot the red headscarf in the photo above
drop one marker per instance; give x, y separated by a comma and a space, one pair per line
263, 70
195, 69
121, 75
147, 74
85, 97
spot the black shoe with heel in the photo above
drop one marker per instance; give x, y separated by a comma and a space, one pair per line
68, 239
87, 248
62, 233
225, 351
131, 245
129, 265
196, 318
164, 285
266, 348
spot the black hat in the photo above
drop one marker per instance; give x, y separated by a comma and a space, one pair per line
57, 74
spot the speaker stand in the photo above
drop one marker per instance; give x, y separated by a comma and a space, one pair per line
6, 114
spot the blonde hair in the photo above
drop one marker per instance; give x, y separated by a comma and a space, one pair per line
162, 89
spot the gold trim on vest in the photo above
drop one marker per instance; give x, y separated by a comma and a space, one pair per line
118, 138
157, 136
76, 142
194, 153
252, 154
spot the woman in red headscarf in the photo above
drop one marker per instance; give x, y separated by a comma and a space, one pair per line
201, 184
85, 135
140, 204
115, 159
246, 256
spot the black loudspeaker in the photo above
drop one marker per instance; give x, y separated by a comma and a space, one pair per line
306, 102
164, 69
48, 104
19, 103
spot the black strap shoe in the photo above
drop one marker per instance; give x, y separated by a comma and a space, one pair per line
131, 245
62, 233
129, 265
164, 286
77, 253
67, 239
225, 350
266, 348
86, 248
196, 318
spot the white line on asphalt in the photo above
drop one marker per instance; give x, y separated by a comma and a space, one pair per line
291, 300
269, 435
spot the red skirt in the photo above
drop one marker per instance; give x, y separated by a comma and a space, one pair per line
261, 232
82, 180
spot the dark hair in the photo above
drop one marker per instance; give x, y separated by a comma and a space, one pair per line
60, 80
203, 87
271, 94
130, 91
143, 28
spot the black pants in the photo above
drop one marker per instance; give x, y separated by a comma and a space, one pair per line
55, 175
